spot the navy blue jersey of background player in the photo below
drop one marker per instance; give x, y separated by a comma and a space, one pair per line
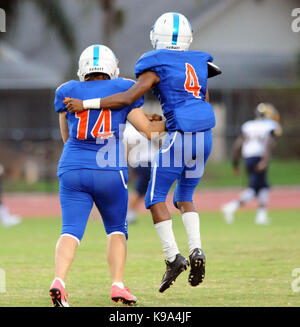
182, 87
94, 134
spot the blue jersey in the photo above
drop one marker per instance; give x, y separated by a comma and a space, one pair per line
95, 136
182, 87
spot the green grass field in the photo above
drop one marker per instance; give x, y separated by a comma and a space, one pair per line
247, 265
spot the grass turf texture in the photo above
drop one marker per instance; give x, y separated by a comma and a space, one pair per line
247, 265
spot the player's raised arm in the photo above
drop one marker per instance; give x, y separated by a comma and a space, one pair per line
140, 121
118, 100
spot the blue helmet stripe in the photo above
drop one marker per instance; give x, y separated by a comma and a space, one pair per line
96, 55
175, 28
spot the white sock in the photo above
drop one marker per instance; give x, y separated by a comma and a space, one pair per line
235, 205
62, 282
166, 235
263, 196
192, 226
4, 214
247, 195
119, 284
131, 216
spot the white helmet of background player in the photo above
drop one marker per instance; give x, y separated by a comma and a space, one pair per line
171, 31
97, 59
267, 111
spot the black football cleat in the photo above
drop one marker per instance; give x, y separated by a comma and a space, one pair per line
197, 262
174, 269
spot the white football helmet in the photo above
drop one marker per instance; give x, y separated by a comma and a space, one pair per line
267, 111
171, 31
98, 59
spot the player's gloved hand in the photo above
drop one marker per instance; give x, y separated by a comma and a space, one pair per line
74, 105
261, 166
154, 117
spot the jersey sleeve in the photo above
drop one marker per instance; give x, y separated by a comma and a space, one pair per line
148, 61
209, 58
244, 128
276, 129
58, 101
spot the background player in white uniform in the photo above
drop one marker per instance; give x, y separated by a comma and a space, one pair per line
255, 146
140, 154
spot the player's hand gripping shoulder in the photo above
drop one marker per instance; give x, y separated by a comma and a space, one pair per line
74, 105
154, 117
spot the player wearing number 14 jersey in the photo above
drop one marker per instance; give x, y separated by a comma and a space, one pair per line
178, 78
92, 168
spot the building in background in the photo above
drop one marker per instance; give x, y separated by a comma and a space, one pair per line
251, 40
27, 124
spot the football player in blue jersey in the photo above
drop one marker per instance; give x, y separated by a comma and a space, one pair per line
92, 167
178, 78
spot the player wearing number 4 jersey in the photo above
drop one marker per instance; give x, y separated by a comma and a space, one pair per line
92, 168
178, 78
